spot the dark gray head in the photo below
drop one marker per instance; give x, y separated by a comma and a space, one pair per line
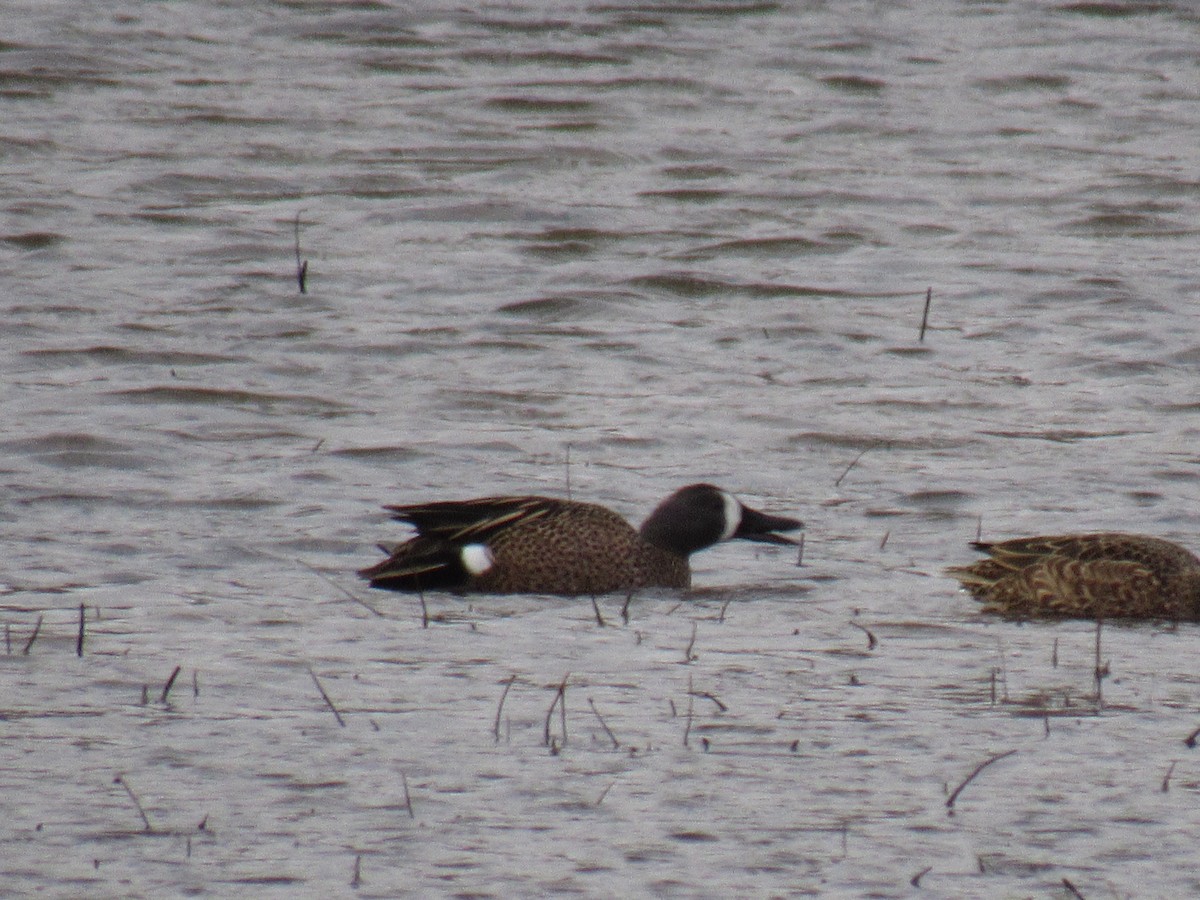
701, 515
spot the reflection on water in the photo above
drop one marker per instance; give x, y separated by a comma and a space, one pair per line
620, 249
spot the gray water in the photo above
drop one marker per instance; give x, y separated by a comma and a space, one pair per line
603, 249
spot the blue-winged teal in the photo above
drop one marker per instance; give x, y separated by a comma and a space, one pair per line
508, 545
1086, 576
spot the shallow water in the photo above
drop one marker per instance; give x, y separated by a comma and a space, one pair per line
607, 249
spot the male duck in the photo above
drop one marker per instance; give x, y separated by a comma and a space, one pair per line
504, 545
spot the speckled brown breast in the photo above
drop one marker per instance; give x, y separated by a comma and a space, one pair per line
578, 548
1104, 575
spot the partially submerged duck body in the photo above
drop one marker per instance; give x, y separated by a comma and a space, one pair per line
529, 544
1106, 575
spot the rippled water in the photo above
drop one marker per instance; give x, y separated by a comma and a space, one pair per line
610, 249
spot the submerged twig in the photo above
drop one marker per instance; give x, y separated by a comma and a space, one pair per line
979, 768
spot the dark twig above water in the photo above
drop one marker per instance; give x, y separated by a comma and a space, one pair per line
37, 628
324, 696
974, 772
1101, 668
612, 737
854, 462
301, 266
559, 701
500, 706
162, 698
925, 314
872, 642
120, 779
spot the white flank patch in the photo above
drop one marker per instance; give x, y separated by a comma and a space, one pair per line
733, 515
476, 558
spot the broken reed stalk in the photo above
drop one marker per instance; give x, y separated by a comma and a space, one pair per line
162, 698
687, 654
324, 696
500, 706
301, 267
79, 639
612, 737
800, 552
1190, 740
925, 315
1101, 671
560, 701
33, 637
356, 878
596, 609
625, 607
1070, 887
120, 779
424, 610
872, 642
979, 768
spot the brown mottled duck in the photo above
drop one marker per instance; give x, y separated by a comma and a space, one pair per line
1085, 576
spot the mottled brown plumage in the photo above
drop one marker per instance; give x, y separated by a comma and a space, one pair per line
1088, 576
545, 545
